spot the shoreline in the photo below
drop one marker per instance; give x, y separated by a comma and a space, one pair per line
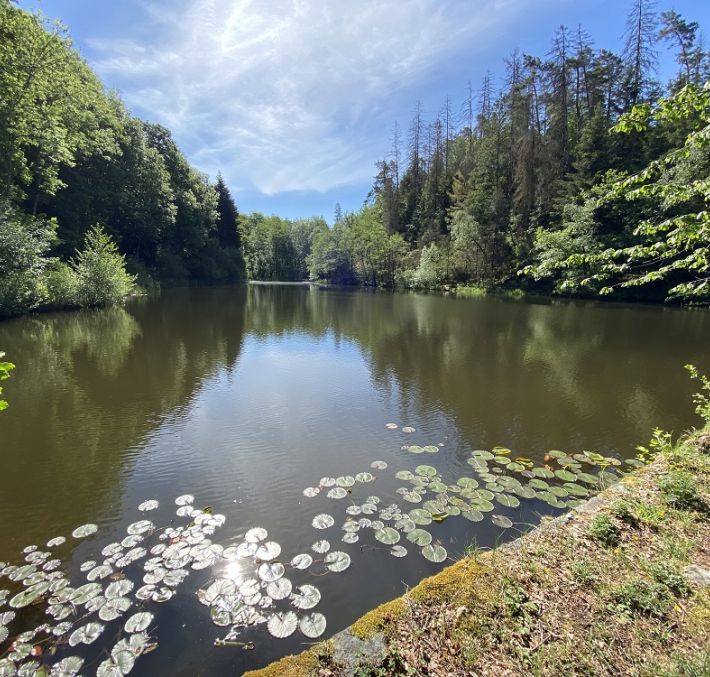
618, 585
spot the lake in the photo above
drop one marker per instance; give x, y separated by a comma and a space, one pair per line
246, 396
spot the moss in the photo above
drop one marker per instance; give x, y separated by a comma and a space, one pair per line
303, 664
373, 621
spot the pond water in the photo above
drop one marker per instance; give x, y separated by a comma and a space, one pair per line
244, 397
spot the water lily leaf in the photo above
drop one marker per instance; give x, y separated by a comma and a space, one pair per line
539, 484
268, 551
56, 541
86, 634
67, 667
119, 588
185, 499
279, 589
302, 561
544, 473
525, 492
425, 470
434, 553
350, 537
338, 561
83, 593
246, 550
114, 608
431, 449
560, 492
378, 465
321, 547
310, 492
364, 477
99, 572
482, 505
391, 426
415, 449
501, 521
420, 516
307, 597
312, 626
345, 481
472, 515
565, 475
24, 598
388, 536
467, 483
322, 521
398, 551
588, 478
283, 624
85, 530
270, 571
139, 528
337, 492
576, 490
419, 537
412, 497
508, 500
152, 504
138, 622
255, 535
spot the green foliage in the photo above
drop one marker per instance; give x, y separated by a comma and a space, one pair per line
5, 369
584, 572
680, 490
24, 246
604, 531
641, 596
101, 277
701, 398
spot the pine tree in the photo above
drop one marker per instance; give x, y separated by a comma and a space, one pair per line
227, 216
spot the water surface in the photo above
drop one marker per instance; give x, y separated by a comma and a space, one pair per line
245, 396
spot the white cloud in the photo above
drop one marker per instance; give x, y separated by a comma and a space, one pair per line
289, 94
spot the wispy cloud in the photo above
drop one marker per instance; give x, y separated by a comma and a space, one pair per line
289, 94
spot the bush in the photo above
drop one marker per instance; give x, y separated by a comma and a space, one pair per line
604, 531
101, 271
62, 286
24, 244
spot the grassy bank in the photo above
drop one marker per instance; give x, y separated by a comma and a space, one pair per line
614, 587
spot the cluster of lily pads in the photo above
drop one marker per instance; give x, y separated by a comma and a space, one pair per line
254, 585
497, 480
105, 601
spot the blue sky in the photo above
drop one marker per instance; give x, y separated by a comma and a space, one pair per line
294, 100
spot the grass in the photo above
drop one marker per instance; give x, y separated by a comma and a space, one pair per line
597, 594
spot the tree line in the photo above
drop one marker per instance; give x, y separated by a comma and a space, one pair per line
81, 178
567, 177
578, 172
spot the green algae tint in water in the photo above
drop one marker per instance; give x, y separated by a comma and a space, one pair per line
247, 397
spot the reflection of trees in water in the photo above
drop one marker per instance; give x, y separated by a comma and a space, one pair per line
541, 373
91, 385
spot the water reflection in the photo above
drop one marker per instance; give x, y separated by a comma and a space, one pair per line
245, 396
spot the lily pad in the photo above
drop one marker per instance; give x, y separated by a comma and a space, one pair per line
152, 504
434, 553
398, 551
307, 597
282, 625
268, 551
86, 634
425, 470
420, 516
501, 521
508, 501
85, 530
138, 622
279, 589
338, 561
255, 535
321, 547
378, 465
337, 493
302, 561
312, 626
271, 571
388, 536
322, 521
419, 537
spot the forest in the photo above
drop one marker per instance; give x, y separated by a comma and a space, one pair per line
576, 172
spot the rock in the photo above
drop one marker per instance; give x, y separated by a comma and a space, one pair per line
704, 444
697, 575
349, 651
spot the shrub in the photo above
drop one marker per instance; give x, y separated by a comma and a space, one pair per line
604, 531
62, 285
101, 271
24, 244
